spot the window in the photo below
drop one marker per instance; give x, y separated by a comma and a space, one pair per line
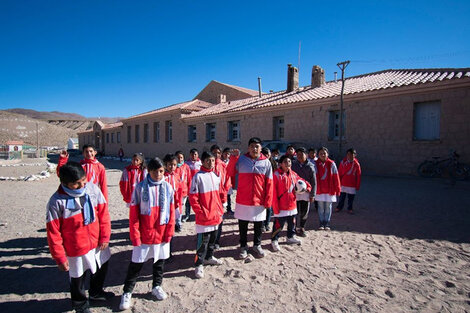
146, 132
210, 132
107, 138
191, 133
118, 137
333, 125
112, 137
156, 131
233, 131
427, 120
129, 134
278, 127
168, 131
137, 133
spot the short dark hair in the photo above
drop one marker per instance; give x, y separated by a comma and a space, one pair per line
88, 146
254, 140
226, 150
324, 149
71, 172
214, 147
312, 149
154, 164
301, 149
265, 151
205, 155
290, 146
179, 152
352, 150
169, 158
283, 158
193, 150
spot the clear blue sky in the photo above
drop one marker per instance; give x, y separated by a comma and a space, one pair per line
120, 58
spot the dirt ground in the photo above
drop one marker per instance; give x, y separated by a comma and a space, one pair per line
407, 249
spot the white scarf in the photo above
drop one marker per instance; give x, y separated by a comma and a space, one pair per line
163, 198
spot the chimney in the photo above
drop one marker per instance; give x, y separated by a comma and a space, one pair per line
336, 77
221, 98
260, 92
318, 76
292, 78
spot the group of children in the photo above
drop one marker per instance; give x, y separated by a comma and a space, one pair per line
157, 193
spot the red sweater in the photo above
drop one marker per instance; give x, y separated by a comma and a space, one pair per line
66, 233
206, 197
185, 175
327, 178
350, 173
131, 176
221, 171
284, 190
175, 181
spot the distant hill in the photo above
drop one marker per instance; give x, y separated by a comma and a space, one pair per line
60, 116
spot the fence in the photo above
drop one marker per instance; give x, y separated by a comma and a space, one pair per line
23, 154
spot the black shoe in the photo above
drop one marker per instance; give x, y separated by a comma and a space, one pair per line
301, 233
185, 219
85, 310
102, 296
267, 228
178, 228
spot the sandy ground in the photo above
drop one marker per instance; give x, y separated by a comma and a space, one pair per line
405, 250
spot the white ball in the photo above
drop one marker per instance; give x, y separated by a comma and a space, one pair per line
300, 187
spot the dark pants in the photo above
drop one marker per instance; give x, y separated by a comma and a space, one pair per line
187, 211
278, 225
269, 212
342, 199
134, 270
229, 204
205, 246
302, 215
243, 229
219, 231
77, 287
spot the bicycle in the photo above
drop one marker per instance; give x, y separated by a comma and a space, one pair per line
436, 167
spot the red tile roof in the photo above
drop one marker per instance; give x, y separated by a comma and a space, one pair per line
382, 80
185, 107
117, 124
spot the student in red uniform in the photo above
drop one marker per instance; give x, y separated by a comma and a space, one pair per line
254, 193
184, 172
78, 234
131, 176
269, 212
207, 196
194, 165
350, 176
173, 178
94, 170
151, 227
284, 202
328, 187
290, 152
226, 158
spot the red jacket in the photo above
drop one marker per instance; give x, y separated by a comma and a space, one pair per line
175, 181
327, 178
220, 170
66, 233
146, 229
255, 180
194, 167
284, 190
350, 173
185, 175
206, 197
131, 176
95, 173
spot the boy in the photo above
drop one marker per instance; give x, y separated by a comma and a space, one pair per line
94, 170
312, 155
173, 178
78, 234
350, 176
184, 172
306, 170
255, 192
194, 165
206, 197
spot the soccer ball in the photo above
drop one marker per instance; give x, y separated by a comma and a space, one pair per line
300, 187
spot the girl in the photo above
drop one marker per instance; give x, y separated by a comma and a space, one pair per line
184, 172
194, 165
131, 176
269, 212
328, 187
206, 197
284, 202
151, 227
173, 178
350, 176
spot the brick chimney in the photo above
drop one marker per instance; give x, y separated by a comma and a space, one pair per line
318, 76
292, 78
221, 98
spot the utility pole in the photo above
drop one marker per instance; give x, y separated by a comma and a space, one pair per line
37, 140
342, 66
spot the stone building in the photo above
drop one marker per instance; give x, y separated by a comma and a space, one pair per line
394, 118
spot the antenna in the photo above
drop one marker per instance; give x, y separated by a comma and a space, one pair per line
300, 44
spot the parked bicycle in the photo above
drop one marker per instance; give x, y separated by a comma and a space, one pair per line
437, 166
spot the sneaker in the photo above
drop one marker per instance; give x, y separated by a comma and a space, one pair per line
301, 233
178, 228
321, 228
243, 253
159, 293
294, 241
327, 228
213, 261
199, 271
102, 296
275, 245
125, 301
216, 246
259, 251
267, 228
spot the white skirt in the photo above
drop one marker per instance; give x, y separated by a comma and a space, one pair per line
283, 213
200, 229
252, 213
350, 190
92, 261
325, 197
145, 252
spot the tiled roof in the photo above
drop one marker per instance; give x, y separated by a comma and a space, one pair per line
382, 80
185, 107
112, 125
245, 90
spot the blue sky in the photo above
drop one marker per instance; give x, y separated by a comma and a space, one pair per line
120, 58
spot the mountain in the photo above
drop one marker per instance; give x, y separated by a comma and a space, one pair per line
54, 115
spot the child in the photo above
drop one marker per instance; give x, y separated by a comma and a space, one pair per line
312, 155
306, 171
151, 227
290, 152
206, 197
184, 172
131, 176
173, 178
328, 187
284, 202
226, 158
94, 170
254, 194
225, 155
120, 154
194, 165
269, 212
78, 234
350, 176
